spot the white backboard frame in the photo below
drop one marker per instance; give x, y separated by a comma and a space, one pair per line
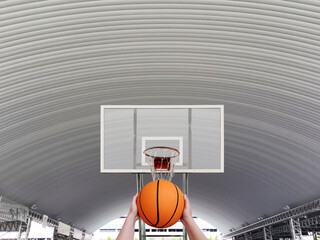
102, 130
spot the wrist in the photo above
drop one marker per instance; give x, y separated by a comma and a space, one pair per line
188, 220
132, 216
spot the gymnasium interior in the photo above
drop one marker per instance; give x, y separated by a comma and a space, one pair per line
61, 60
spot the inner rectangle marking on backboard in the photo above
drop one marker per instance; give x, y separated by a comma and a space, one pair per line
152, 142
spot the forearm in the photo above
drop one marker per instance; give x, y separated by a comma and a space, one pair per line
193, 230
127, 231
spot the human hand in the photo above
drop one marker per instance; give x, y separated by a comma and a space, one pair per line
187, 212
133, 208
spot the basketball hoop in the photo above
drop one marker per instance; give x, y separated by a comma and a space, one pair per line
161, 161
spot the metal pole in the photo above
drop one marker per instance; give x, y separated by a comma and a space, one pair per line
20, 231
142, 226
315, 235
189, 163
295, 229
28, 228
185, 180
134, 138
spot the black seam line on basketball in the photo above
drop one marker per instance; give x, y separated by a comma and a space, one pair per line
176, 207
142, 209
158, 218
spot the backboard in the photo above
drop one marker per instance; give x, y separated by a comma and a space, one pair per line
197, 131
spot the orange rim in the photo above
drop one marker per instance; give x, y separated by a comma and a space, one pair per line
173, 149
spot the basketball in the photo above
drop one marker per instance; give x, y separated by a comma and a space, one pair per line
160, 204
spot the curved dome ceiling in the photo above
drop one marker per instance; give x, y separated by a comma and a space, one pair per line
60, 60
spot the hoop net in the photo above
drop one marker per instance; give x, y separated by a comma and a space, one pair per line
161, 161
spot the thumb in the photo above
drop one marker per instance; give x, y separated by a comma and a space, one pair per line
186, 199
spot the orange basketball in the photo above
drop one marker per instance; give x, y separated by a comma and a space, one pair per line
160, 204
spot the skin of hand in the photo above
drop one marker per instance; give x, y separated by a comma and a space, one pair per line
187, 212
133, 208
193, 230
127, 231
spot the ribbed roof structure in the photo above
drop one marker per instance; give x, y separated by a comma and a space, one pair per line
61, 59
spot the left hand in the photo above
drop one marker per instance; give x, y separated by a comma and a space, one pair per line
133, 208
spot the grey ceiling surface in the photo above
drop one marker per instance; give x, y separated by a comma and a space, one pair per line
61, 60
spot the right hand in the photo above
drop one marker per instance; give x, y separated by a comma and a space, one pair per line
187, 212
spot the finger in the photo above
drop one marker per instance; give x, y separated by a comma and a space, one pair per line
186, 202
135, 197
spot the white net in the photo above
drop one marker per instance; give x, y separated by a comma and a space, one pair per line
162, 161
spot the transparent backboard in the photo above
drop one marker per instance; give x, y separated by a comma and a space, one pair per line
197, 131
